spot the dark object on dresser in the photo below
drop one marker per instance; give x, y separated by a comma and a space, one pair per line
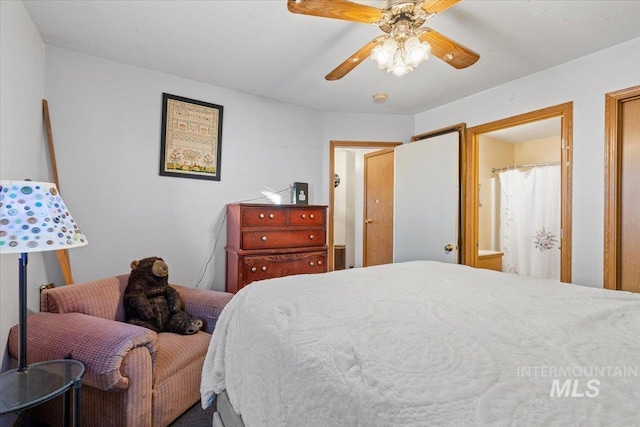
300, 193
267, 241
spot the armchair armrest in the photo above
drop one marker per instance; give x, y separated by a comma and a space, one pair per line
100, 344
204, 303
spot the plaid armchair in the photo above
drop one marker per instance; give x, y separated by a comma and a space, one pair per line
133, 376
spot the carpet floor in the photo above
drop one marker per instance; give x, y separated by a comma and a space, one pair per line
194, 417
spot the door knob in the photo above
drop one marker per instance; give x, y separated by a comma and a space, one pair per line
448, 248
368, 221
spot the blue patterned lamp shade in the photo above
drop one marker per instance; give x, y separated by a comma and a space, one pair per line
34, 218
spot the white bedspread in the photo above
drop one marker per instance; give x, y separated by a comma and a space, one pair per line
425, 343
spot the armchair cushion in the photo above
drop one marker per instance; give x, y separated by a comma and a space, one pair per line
187, 349
99, 344
204, 304
99, 298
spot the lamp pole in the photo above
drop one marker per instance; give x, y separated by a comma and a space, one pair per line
22, 354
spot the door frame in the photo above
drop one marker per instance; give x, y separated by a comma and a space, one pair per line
463, 182
333, 145
613, 159
565, 112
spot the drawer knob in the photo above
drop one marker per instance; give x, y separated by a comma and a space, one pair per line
311, 263
271, 215
264, 268
319, 262
311, 236
261, 216
263, 238
303, 216
312, 216
254, 269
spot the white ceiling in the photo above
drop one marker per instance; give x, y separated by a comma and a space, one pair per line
259, 47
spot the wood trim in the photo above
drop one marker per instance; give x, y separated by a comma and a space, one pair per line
470, 225
466, 178
441, 131
613, 103
469, 170
61, 254
566, 204
332, 147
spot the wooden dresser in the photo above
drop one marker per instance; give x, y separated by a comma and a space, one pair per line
267, 241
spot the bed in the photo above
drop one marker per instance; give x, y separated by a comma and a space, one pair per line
424, 343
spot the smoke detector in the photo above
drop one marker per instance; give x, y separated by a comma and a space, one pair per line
380, 98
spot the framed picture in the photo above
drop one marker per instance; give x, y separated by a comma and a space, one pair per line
190, 138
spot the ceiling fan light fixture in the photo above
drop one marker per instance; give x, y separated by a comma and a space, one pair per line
383, 53
400, 52
416, 52
402, 22
399, 68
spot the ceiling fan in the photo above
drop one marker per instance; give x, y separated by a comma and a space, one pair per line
405, 44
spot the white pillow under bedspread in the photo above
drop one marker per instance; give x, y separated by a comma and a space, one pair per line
425, 343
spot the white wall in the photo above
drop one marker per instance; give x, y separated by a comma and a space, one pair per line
22, 148
351, 219
106, 119
584, 81
362, 127
341, 167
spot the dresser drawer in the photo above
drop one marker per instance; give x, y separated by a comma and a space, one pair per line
266, 239
270, 266
263, 217
310, 217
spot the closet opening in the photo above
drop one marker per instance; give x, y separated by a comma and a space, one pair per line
520, 219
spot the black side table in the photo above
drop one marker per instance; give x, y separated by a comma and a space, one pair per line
40, 382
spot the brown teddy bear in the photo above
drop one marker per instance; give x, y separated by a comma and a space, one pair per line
150, 302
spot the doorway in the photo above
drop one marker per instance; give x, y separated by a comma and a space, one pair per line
481, 227
622, 200
354, 198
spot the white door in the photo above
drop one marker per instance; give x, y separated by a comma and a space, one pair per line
427, 200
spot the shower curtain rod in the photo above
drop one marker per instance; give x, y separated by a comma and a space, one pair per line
530, 165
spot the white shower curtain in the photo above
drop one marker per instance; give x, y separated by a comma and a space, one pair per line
530, 222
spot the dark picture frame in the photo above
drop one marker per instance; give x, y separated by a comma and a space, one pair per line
191, 138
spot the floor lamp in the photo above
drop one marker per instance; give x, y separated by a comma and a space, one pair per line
33, 218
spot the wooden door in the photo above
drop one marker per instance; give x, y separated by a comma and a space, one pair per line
628, 263
622, 195
630, 197
427, 199
378, 208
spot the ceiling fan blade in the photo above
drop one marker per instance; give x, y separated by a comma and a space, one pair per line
449, 51
437, 6
341, 70
336, 9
